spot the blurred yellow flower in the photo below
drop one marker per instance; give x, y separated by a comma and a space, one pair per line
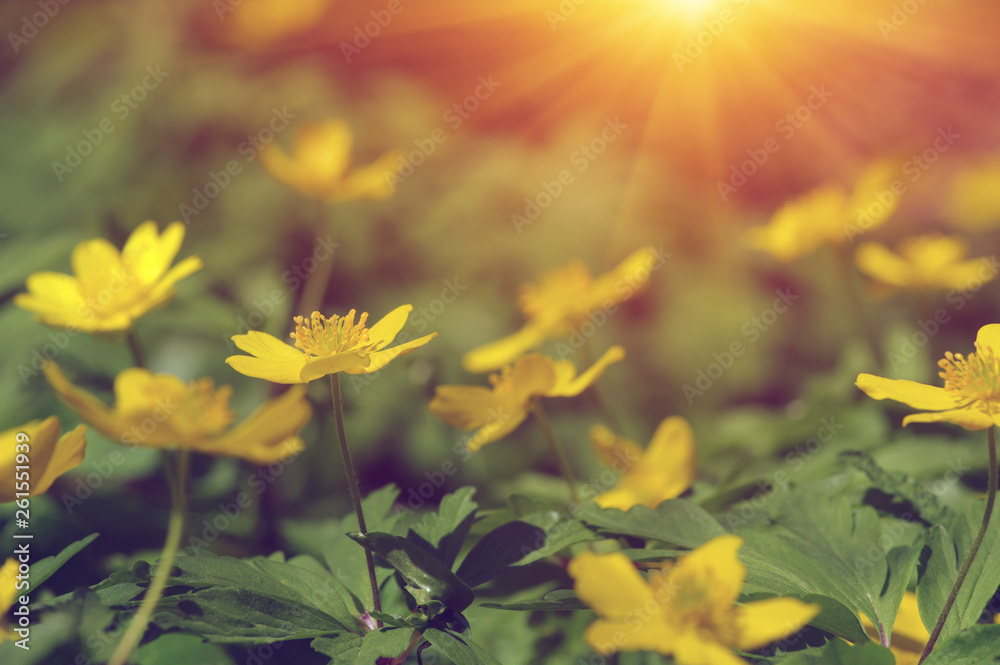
974, 197
925, 263
971, 394
318, 165
685, 609
663, 471
49, 456
496, 412
828, 215
908, 632
161, 411
563, 299
324, 346
261, 22
109, 289
8, 593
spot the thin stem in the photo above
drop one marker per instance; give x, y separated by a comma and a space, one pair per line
352, 484
175, 531
990, 499
550, 436
138, 357
843, 259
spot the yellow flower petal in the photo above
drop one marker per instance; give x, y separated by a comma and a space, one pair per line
266, 436
989, 335
672, 456
281, 370
765, 621
911, 393
610, 584
718, 562
68, 454
639, 633
499, 426
622, 497
8, 590
504, 351
374, 181
533, 374
380, 359
970, 419
878, 261
693, 648
612, 449
90, 409
624, 280
570, 387
385, 330
323, 365
467, 407
263, 345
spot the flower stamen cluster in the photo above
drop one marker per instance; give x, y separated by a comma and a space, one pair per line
974, 379
321, 336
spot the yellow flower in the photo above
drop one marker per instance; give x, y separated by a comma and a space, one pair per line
161, 411
971, 393
257, 22
109, 289
828, 215
324, 346
563, 299
974, 197
318, 165
8, 593
924, 263
496, 412
908, 632
663, 471
49, 456
684, 609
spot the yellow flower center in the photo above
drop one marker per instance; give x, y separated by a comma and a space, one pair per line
973, 380
502, 381
557, 289
205, 408
691, 600
320, 336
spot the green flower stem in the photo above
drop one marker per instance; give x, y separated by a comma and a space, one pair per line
175, 531
138, 357
352, 484
843, 258
990, 500
550, 436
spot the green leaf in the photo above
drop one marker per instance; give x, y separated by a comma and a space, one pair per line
272, 578
824, 547
560, 599
428, 579
343, 648
519, 543
176, 648
220, 614
43, 569
975, 646
384, 642
460, 649
942, 569
674, 521
445, 531
900, 485
837, 652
